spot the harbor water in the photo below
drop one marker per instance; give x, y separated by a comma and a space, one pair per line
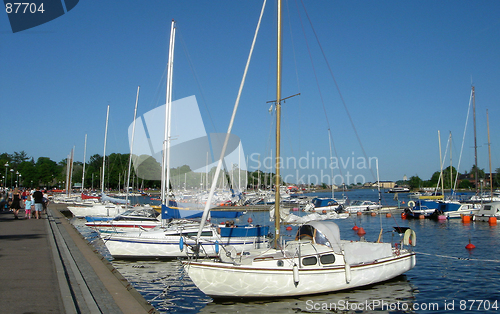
447, 277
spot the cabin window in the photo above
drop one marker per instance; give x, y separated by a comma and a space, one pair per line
305, 232
327, 259
280, 263
321, 239
308, 261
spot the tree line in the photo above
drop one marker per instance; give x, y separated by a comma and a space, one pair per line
464, 180
21, 170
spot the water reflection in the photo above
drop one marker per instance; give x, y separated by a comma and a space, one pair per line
169, 289
164, 285
381, 298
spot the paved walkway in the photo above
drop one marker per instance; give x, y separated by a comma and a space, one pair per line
46, 266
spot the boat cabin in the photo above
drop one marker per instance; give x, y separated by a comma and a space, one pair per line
488, 210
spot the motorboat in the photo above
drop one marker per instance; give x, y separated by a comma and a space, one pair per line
487, 211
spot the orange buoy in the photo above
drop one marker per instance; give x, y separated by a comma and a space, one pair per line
355, 228
361, 231
359, 214
288, 228
324, 211
466, 219
421, 217
250, 220
389, 215
373, 214
492, 221
470, 246
403, 215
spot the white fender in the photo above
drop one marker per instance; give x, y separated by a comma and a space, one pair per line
347, 273
295, 275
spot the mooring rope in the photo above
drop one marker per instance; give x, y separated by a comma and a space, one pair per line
460, 258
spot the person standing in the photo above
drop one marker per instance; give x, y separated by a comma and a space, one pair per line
15, 206
27, 207
38, 198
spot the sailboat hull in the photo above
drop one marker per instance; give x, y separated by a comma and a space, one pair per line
222, 280
166, 243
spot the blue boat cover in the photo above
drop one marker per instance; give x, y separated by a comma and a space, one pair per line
244, 231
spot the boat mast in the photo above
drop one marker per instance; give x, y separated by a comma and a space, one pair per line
70, 174
131, 146
451, 168
104, 154
84, 158
278, 134
475, 138
165, 173
441, 165
331, 158
489, 154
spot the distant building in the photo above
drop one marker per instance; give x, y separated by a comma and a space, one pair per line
383, 184
387, 184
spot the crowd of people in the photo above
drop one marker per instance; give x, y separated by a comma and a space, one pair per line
34, 202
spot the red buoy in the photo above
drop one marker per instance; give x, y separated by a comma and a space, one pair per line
288, 228
492, 221
355, 228
466, 219
470, 246
250, 220
403, 215
361, 231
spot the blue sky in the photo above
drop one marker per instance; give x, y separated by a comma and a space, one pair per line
404, 69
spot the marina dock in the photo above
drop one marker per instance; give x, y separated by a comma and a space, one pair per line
47, 266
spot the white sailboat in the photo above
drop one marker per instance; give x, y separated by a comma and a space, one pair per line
107, 207
316, 261
178, 237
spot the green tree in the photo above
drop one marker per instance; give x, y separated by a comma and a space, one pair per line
415, 182
465, 184
29, 173
46, 171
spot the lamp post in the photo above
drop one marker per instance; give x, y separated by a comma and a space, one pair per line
5, 180
19, 179
11, 175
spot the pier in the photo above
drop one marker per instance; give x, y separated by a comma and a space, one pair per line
47, 266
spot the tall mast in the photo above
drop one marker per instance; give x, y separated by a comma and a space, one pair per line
131, 147
104, 154
165, 173
475, 138
84, 158
277, 222
441, 164
451, 168
489, 154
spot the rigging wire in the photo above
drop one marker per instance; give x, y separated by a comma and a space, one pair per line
330, 138
337, 87
463, 139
